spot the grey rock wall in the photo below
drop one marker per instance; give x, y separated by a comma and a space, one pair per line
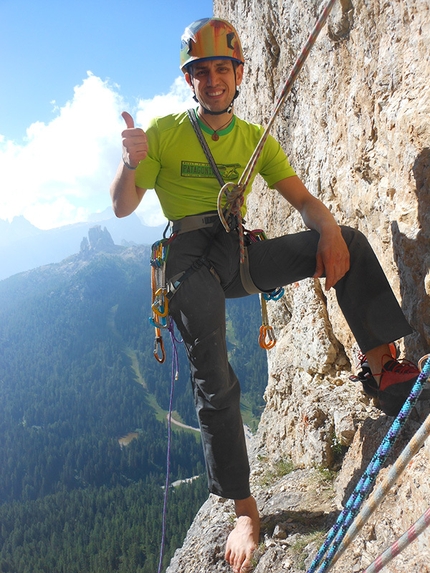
356, 127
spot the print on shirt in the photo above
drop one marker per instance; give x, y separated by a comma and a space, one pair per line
204, 170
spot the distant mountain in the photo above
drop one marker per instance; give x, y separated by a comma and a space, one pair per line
18, 229
77, 375
24, 246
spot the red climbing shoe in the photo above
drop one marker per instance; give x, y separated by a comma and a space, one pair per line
397, 380
365, 376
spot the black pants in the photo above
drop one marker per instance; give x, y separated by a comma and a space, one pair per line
198, 309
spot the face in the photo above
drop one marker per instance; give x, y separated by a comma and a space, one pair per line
214, 82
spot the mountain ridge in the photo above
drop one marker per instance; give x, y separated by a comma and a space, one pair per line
24, 246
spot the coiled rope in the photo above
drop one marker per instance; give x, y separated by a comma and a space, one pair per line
234, 192
347, 515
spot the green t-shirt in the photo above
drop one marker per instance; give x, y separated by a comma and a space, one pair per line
177, 168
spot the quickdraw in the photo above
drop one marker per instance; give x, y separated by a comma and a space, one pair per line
266, 338
159, 353
159, 306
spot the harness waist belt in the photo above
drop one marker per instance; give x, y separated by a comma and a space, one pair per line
192, 223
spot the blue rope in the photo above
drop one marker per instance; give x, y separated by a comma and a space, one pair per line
174, 377
348, 514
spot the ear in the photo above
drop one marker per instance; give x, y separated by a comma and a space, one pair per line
239, 74
189, 80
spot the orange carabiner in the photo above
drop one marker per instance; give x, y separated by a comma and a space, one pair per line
159, 353
267, 339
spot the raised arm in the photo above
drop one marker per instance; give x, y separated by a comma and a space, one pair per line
125, 195
332, 259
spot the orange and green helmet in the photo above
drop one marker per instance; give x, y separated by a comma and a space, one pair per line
208, 39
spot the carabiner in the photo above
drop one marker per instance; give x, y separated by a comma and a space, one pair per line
160, 306
275, 294
159, 353
158, 323
422, 361
231, 196
267, 339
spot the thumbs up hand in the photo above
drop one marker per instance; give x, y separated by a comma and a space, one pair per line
134, 142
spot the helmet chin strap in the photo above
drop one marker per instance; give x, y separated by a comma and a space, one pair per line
209, 112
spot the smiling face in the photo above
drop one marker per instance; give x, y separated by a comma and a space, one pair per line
214, 83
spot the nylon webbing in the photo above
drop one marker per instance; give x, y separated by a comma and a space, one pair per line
195, 123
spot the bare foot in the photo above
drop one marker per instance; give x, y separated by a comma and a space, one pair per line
243, 540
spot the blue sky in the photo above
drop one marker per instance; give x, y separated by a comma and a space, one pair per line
67, 69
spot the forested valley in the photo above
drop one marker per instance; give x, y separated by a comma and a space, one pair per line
83, 417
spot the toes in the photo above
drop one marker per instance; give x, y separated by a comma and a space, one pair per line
246, 567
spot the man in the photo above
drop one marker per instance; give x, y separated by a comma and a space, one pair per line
203, 265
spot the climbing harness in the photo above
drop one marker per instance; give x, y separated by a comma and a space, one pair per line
192, 223
233, 193
337, 533
230, 215
397, 547
266, 338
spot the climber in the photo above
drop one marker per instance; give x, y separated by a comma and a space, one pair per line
169, 158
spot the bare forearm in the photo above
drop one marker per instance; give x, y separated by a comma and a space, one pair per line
314, 213
316, 216
124, 193
332, 257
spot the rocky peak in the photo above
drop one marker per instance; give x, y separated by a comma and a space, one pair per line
99, 240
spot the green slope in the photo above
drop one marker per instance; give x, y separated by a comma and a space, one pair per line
76, 374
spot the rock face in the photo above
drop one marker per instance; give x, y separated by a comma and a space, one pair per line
356, 127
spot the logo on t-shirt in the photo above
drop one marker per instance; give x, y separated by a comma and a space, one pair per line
205, 171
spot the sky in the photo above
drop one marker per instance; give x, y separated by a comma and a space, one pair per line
67, 71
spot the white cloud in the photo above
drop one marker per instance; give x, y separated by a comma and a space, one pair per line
63, 170
178, 99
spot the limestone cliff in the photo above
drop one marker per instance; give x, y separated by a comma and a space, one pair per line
356, 127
